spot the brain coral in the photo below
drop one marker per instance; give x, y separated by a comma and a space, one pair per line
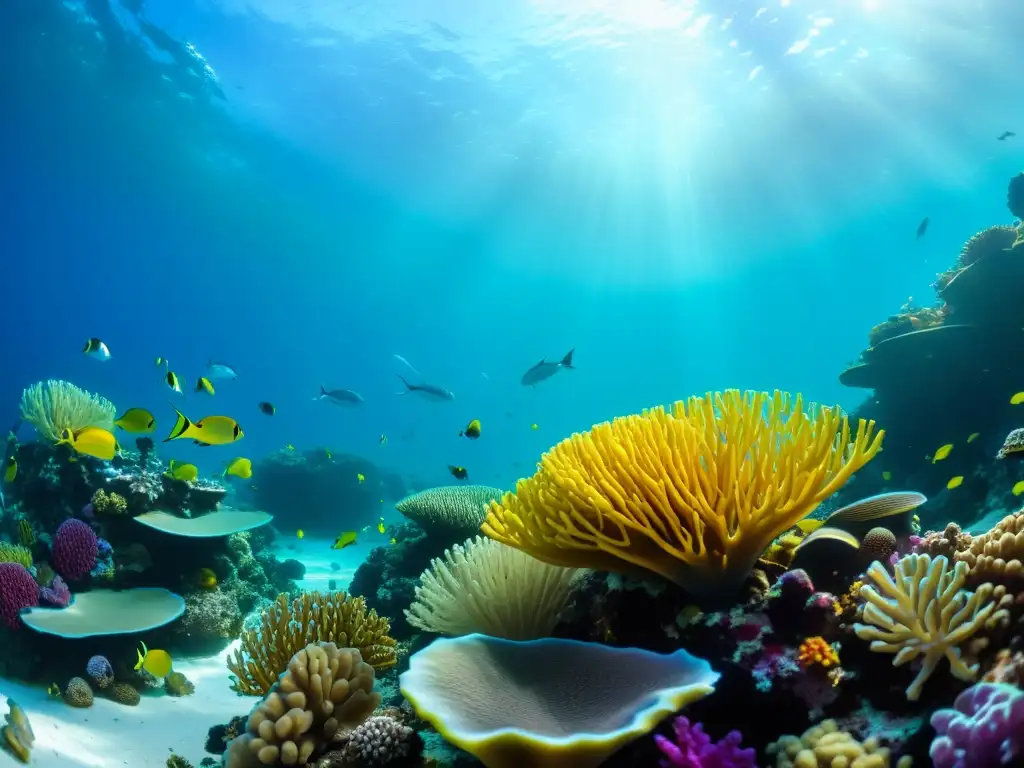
74, 549
452, 512
125, 694
18, 590
78, 693
694, 494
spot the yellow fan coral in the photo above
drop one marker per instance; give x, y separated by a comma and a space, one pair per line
923, 611
53, 406
694, 494
313, 617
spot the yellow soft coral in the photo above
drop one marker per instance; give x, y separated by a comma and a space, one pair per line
924, 611
825, 746
109, 503
313, 617
815, 651
15, 553
694, 494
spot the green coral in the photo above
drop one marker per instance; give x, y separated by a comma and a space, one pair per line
53, 406
15, 553
177, 761
104, 503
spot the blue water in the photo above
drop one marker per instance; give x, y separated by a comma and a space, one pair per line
694, 195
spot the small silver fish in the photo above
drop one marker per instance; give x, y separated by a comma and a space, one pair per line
545, 370
427, 391
343, 397
219, 371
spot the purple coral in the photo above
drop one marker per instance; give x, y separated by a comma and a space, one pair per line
74, 549
694, 749
56, 593
984, 729
18, 590
100, 671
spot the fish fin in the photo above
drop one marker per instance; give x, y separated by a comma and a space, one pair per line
833, 534
808, 525
567, 360
877, 507
408, 386
180, 426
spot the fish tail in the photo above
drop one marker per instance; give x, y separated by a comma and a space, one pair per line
408, 386
567, 360
181, 426
323, 391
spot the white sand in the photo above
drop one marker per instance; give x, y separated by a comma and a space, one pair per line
316, 554
109, 735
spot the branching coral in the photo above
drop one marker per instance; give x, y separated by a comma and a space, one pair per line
53, 406
484, 586
923, 611
286, 628
323, 689
694, 494
113, 503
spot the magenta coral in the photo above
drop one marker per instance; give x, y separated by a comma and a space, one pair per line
74, 549
694, 749
18, 590
984, 729
57, 593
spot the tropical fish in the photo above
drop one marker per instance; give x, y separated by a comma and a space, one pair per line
301, 534
289, 447
922, 228
91, 441
182, 471
203, 384
472, 430
1017, 399
219, 371
380, 526
54, 691
533, 427
240, 467
343, 397
1005, 135
360, 477
955, 482
157, 663
973, 436
17, 734
887, 475
427, 391
138, 421
458, 473
545, 370
393, 540
1018, 488
895, 508
160, 361
209, 430
172, 381
267, 408
206, 578
328, 454
96, 349
345, 539
943, 452
10, 469
383, 439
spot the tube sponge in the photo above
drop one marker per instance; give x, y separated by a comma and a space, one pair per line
694, 494
550, 702
324, 688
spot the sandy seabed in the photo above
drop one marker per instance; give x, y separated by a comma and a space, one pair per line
111, 735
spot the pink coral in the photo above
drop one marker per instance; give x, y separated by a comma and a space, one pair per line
56, 593
694, 749
18, 590
74, 549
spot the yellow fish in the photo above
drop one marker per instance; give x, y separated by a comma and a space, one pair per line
209, 430
943, 452
394, 540
327, 453
159, 361
92, 441
11, 470
472, 430
955, 482
809, 525
157, 663
203, 384
347, 538
240, 467
887, 475
173, 381
1017, 399
380, 526
1018, 488
181, 471
138, 421
289, 447
300, 534
54, 690
206, 578
360, 477
533, 427
973, 436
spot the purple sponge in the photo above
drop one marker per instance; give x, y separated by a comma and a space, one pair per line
74, 549
984, 729
693, 749
18, 590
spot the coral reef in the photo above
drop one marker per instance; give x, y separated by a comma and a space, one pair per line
484, 586
54, 406
124, 693
78, 693
285, 628
75, 548
322, 690
985, 727
18, 590
692, 748
380, 741
826, 746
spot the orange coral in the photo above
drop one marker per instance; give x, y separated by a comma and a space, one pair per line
815, 651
